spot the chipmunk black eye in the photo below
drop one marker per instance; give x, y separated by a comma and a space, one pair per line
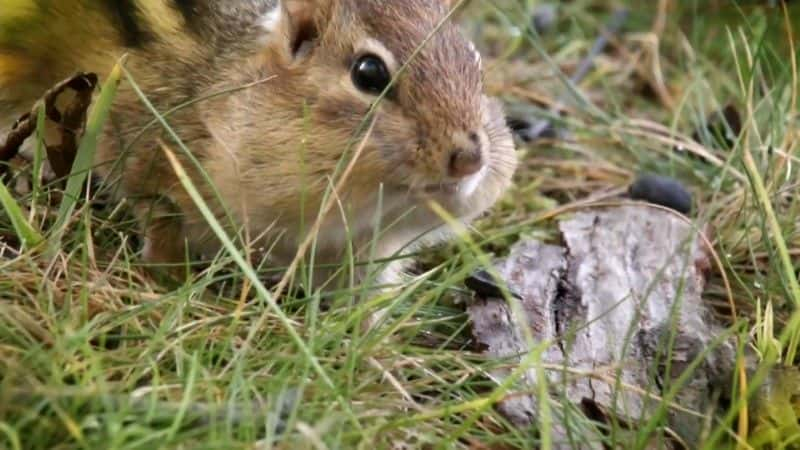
370, 74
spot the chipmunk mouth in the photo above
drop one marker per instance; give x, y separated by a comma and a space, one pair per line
439, 188
462, 188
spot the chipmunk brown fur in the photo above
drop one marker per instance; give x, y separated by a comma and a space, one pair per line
308, 71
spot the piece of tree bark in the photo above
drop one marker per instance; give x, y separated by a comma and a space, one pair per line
621, 304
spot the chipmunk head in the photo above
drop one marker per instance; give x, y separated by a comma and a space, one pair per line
436, 135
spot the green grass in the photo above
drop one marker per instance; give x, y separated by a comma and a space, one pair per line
95, 354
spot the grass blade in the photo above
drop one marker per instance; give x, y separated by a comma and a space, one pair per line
25, 231
262, 291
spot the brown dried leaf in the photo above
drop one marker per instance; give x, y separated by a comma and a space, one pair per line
66, 105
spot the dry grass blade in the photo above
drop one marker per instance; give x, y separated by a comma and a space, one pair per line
323, 214
84, 159
253, 278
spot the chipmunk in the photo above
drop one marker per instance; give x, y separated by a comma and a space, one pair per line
297, 77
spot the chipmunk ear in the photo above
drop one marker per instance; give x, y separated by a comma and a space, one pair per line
290, 28
305, 19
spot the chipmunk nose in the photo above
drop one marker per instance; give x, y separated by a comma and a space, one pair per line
467, 159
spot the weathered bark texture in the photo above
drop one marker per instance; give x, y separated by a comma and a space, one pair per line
621, 304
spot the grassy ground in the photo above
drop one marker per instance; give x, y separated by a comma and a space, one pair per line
94, 354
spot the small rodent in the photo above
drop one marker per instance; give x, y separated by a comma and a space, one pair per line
298, 76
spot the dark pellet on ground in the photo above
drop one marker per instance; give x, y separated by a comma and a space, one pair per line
661, 190
529, 131
722, 127
545, 17
517, 125
483, 283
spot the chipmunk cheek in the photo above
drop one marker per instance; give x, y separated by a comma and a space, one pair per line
341, 111
396, 149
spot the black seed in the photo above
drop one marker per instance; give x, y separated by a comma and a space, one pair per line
545, 17
663, 191
483, 283
529, 132
722, 127
517, 125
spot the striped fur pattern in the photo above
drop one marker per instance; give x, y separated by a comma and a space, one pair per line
64, 36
